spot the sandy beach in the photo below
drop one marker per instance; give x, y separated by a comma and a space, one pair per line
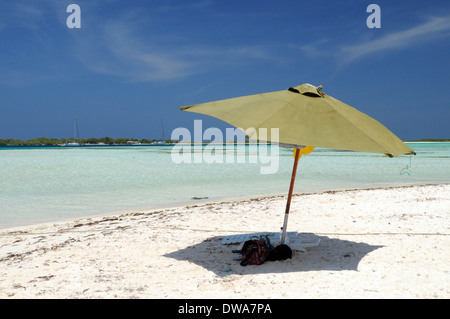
375, 243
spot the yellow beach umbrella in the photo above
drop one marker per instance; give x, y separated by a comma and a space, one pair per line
305, 116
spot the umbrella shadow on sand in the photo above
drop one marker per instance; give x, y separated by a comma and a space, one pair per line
331, 254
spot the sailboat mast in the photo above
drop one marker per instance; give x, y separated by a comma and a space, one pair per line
162, 128
76, 133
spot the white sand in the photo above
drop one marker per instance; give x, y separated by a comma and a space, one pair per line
383, 243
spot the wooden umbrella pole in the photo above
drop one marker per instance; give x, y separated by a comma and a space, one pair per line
291, 189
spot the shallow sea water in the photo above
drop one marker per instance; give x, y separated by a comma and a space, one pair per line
43, 184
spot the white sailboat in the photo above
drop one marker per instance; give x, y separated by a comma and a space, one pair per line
75, 134
162, 141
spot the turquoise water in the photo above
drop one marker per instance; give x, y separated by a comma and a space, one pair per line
51, 184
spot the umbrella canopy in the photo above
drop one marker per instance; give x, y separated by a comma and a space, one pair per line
306, 116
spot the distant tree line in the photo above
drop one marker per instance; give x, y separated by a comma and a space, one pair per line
54, 141
118, 141
430, 140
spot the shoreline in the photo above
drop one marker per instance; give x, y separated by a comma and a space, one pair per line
389, 242
201, 202
164, 144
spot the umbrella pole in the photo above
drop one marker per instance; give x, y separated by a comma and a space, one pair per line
291, 189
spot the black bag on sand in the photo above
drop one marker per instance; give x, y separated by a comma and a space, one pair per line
254, 252
259, 250
281, 252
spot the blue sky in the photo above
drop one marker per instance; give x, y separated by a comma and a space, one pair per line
133, 63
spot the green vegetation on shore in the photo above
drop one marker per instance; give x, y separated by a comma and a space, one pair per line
88, 141
119, 141
430, 140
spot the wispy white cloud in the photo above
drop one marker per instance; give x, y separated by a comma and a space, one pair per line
136, 43
168, 6
434, 28
22, 15
118, 49
122, 48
